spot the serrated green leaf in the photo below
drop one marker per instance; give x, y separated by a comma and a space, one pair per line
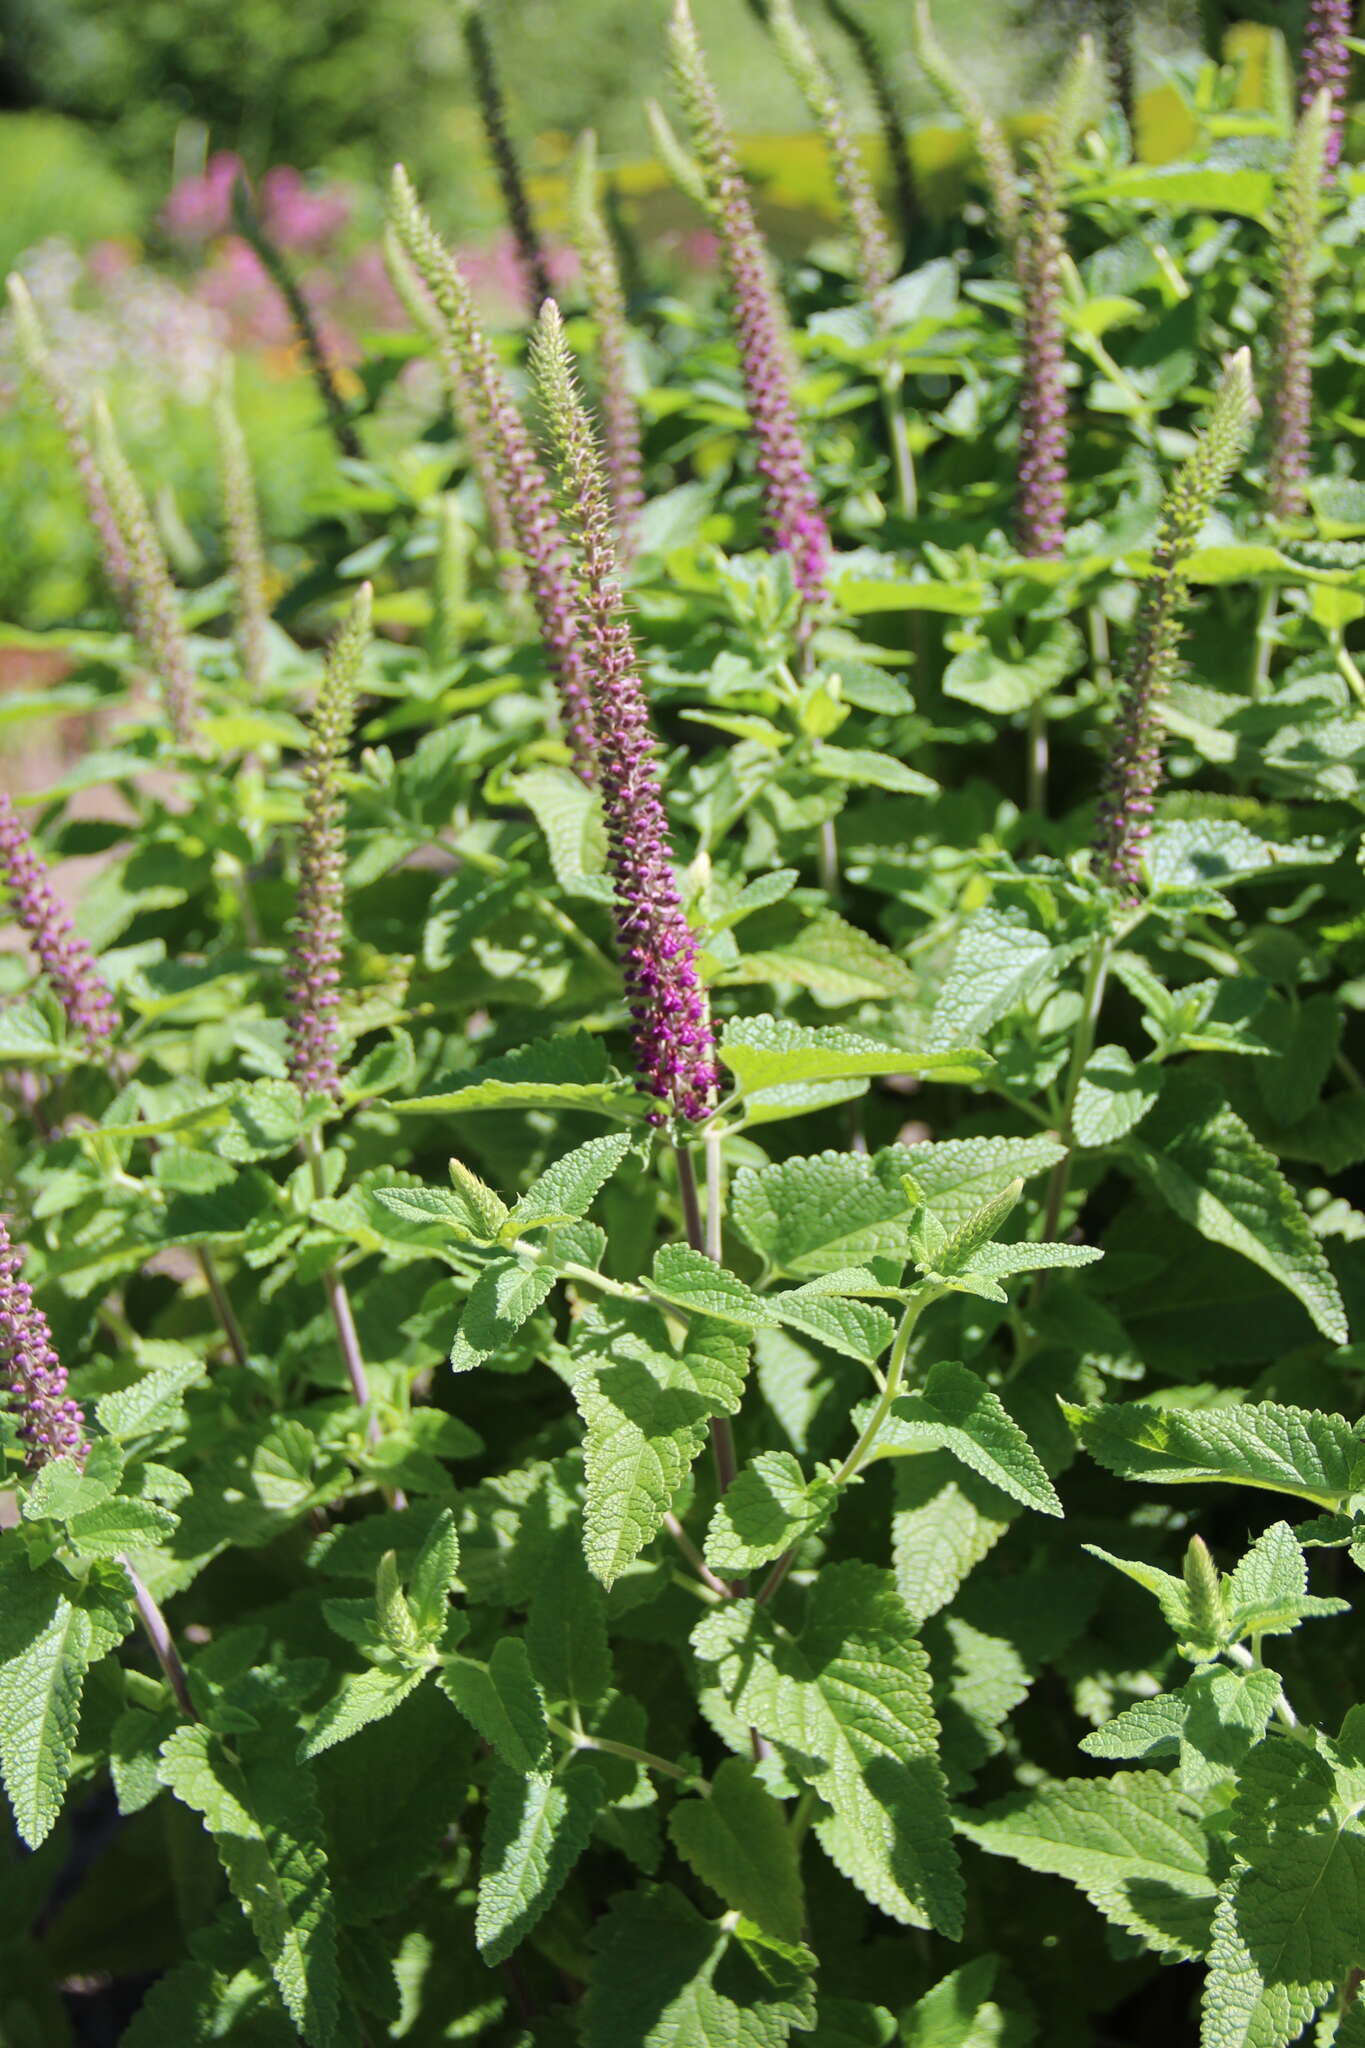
983, 678
41, 1681
536, 1830
1216, 852
506, 1294
117, 1525
647, 1409
468, 1209
866, 769
695, 1283
62, 1488
849, 1703
1127, 1841
1268, 1594
1202, 1159
569, 1072
767, 1052
569, 814
1114, 1096
999, 959
836, 961
956, 1411
152, 1404
1148, 1728
856, 1329
946, 1520
502, 1702
27, 1035
767, 1507
361, 1698
738, 1842
1287, 1450
960, 2013
265, 1823
565, 1191
666, 1978
566, 1627
434, 1575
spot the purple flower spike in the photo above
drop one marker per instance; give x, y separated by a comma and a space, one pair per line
674, 1047
313, 975
65, 958
32, 1377
1291, 392
606, 303
539, 535
1325, 62
153, 608
796, 523
1133, 773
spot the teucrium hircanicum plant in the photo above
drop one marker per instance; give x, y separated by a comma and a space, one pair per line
245, 548
153, 604
662, 1437
1325, 66
602, 285
502, 150
1291, 376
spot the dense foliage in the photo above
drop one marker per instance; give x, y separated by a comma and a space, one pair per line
825, 989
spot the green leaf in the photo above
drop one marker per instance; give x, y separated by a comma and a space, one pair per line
506, 1294
117, 1525
1287, 1450
738, 1842
263, 1816
41, 1681
361, 1698
566, 1190
1206, 853
946, 1520
569, 1072
768, 1052
956, 1411
648, 1410
857, 1329
1204, 1161
1287, 1930
848, 1701
26, 1035
1114, 1096
152, 1404
814, 1215
666, 1978
569, 814
836, 961
1128, 1842
536, 1830
866, 769
1268, 1592
469, 1209
983, 678
566, 1627
697, 1284
960, 2013
769, 1506
502, 1702
434, 1576
999, 959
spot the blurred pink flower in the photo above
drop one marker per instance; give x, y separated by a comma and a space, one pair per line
368, 295
496, 279
299, 216
201, 207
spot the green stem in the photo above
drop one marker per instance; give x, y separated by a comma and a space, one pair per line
1092, 996
902, 457
722, 1436
1265, 641
1348, 668
1035, 786
578, 1739
159, 1636
232, 1329
693, 1555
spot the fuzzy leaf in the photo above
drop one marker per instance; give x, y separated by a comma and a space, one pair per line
566, 1190
506, 1294
1127, 1841
468, 1209
956, 1411
1287, 1450
767, 1508
739, 1844
667, 1978
265, 1823
946, 1520
768, 1052
502, 1702
1114, 1096
153, 1403
999, 960
569, 1072
849, 1703
536, 1830
362, 1697
40, 1705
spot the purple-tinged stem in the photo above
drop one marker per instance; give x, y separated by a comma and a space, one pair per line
539, 534
493, 114
276, 264
159, 1636
1291, 383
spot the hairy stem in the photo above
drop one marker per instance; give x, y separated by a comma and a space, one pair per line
577, 1738
722, 1436
1092, 996
159, 1636
223, 1308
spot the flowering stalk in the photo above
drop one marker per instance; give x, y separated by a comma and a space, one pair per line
1291, 390
1135, 755
493, 113
1040, 508
37, 358
795, 521
468, 352
862, 215
1117, 19
988, 138
1325, 66
606, 303
313, 976
50, 1423
244, 535
674, 1047
152, 603
251, 228
874, 69
464, 406
65, 958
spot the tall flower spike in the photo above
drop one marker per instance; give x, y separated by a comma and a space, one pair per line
674, 1048
493, 114
606, 303
1116, 20
32, 1377
862, 215
277, 267
420, 309
1291, 392
152, 602
1040, 507
988, 138
874, 70
313, 975
795, 521
1325, 65
37, 359
466, 348
243, 522
63, 955
1135, 752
